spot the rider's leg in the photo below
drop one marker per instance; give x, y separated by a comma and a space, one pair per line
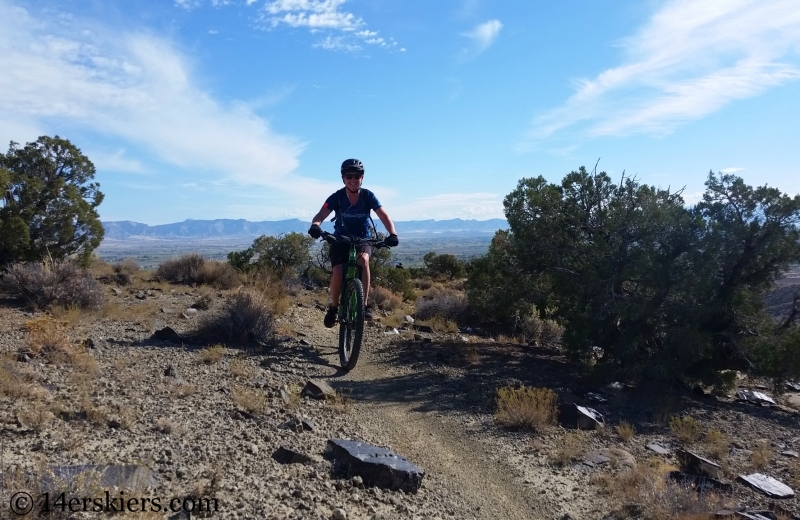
363, 261
336, 284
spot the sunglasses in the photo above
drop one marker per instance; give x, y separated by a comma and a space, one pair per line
351, 176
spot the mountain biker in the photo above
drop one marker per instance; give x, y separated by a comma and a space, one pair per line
352, 205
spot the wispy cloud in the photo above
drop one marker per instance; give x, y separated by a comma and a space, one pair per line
731, 170
324, 15
478, 206
689, 60
137, 89
485, 34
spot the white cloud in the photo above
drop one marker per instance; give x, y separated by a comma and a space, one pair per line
213, 31
731, 170
187, 4
324, 15
314, 14
689, 60
136, 88
485, 34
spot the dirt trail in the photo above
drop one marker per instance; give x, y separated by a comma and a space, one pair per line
481, 486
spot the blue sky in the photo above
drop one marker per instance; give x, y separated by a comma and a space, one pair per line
245, 108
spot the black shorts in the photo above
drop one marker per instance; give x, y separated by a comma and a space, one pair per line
339, 253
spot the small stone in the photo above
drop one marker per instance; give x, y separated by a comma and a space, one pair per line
167, 334
317, 389
657, 448
408, 319
339, 514
790, 453
170, 371
181, 472
167, 310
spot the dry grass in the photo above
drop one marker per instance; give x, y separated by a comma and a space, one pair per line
570, 448
339, 402
240, 368
71, 314
211, 355
394, 320
169, 427
181, 389
647, 487
36, 416
48, 338
293, 391
685, 428
128, 266
762, 456
524, 407
17, 383
94, 414
249, 400
439, 324
717, 444
471, 356
625, 431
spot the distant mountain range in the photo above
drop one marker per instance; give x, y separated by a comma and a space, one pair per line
228, 228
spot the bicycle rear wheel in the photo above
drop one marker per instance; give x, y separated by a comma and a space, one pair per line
351, 324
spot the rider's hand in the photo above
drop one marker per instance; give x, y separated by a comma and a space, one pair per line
315, 231
391, 241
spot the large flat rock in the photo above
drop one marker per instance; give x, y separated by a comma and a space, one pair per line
378, 467
132, 477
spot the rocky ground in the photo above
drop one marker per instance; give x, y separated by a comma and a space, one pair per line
207, 421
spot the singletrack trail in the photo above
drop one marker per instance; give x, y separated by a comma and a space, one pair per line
480, 485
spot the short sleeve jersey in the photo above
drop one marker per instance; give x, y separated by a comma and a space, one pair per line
352, 220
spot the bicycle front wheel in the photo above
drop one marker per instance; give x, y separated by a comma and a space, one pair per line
351, 325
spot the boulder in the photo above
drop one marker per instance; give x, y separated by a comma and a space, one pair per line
754, 396
286, 455
424, 328
657, 449
699, 483
378, 467
167, 334
317, 389
769, 486
694, 463
581, 417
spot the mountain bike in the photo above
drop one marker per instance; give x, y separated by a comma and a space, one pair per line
351, 302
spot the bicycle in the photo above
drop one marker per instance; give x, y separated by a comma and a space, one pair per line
351, 300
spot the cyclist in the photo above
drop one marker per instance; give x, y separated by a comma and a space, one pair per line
352, 205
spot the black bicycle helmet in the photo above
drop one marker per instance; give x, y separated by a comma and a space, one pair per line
353, 165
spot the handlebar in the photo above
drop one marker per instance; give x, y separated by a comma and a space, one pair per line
333, 239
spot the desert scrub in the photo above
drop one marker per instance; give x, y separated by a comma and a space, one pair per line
249, 400
625, 431
762, 456
384, 298
717, 444
211, 355
525, 407
569, 448
245, 317
685, 428
445, 304
62, 283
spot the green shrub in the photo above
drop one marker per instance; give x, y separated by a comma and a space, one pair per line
444, 265
285, 255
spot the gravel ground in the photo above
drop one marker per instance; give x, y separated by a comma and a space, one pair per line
172, 407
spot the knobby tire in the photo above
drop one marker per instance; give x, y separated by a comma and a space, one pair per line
351, 326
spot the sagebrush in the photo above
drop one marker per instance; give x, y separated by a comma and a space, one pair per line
61, 283
245, 317
526, 407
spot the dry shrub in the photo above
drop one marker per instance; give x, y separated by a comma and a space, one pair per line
127, 266
717, 444
471, 356
762, 456
273, 289
211, 355
71, 314
36, 416
249, 400
245, 317
293, 391
625, 432
442, 303
41, 285
240, 368
16, 383
185, 269
168, 427
647, 488
524, 407
384, 298
424, 284
182, 390
394, 320
94, 414
570, 448
685, 428
48, 338
219, 275
439, 324
339, 402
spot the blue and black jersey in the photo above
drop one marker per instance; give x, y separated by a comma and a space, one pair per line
352, 220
